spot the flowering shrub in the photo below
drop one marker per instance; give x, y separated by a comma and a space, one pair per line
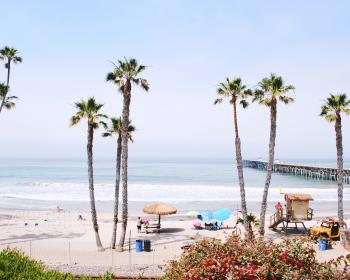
257, 259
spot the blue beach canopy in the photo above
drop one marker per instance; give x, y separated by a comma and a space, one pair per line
222, 214
206, 216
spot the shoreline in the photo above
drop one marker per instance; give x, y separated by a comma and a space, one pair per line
321, 208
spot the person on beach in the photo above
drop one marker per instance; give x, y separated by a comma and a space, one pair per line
58, 209
139, 224
279, 208
81, 218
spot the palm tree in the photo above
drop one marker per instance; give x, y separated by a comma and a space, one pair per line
116, 129
89, 109
8, 100
270, 90
331, 110
236, 91
125, 73
10, 54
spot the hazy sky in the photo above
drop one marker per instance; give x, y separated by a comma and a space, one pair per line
189, 46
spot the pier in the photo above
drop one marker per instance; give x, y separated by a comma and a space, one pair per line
309, 172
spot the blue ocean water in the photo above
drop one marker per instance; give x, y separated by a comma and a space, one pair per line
170, 180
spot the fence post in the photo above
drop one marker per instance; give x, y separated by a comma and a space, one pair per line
112, 257
130, 249
69, 253
154, 251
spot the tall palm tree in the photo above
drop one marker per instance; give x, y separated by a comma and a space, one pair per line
235, 91
126, 72
89, 109
270, 90
116, 129
8, 100
331, 110
10, 54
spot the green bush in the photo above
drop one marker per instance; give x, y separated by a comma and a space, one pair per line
239, 259
14, 265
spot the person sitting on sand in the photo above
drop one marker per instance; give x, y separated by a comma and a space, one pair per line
139, 224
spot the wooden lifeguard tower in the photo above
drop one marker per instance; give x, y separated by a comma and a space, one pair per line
296, 211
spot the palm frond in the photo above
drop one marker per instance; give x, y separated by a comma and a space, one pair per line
218, 101
144, 84
75, 120
3, 89
331, 117
244, 103
286, 99
110, 76
11, 97
258, 95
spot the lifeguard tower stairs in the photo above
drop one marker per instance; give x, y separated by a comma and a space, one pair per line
285, 218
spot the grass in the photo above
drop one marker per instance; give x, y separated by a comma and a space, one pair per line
15, 265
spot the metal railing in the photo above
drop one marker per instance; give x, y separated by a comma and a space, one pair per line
287, 215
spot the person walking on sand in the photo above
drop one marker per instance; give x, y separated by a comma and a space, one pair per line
139, 224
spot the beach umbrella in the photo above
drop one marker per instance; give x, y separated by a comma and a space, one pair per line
206, 216
159, 209
222, 214
192, 214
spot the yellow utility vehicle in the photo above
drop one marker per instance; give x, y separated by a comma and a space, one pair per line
328, 228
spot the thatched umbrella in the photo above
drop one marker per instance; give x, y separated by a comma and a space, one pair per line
159, 209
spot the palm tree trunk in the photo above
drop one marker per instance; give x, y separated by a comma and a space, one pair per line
249, 232
7, 84
339, 143
273, 116
91, 187
116, 195
124, 164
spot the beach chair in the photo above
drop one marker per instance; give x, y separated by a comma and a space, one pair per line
216, 226
208, 226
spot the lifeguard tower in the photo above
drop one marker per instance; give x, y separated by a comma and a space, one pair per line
296, 211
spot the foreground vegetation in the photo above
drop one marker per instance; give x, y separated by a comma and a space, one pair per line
256, 259
14, 265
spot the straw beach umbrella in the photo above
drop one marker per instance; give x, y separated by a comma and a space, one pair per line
159, 209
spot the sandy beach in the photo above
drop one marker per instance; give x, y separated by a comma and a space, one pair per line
63, 242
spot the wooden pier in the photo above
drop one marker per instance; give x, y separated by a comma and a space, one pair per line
309, 172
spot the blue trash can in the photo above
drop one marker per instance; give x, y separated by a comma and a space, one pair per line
323, 244
138, 245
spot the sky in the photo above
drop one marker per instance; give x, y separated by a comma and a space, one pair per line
188, 48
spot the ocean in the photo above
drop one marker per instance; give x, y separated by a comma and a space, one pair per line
187, 183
